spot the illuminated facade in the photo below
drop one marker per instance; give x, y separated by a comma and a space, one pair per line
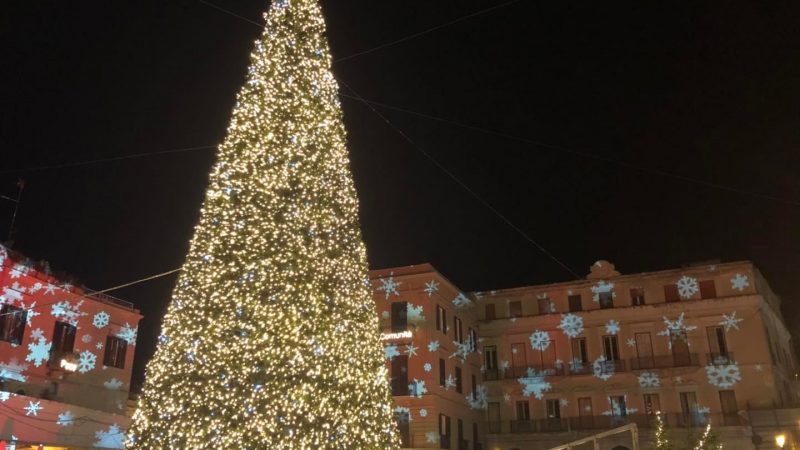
702, 344
65, 360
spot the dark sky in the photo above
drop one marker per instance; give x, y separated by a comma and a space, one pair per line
705, 90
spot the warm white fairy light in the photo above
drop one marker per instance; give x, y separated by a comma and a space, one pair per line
272, 340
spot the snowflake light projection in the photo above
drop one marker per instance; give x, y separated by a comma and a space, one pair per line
113, 384
631, 342
402, 414
687, 287
540, 340
433, 346
112, 438
603, 369
576, 365
612, 327
676, 329
739, 282
390, 351
389, 286
462, 350
67, 312
534, 383
101, 319
86, 361
649, 380
411, 350
724, 376
504, 365
601, 288
37, 334
431, 287
128, 334
432, 437
450, 382
563, 402
427, 367
477, 400
615, 409
414, 314
65, 419
461, 301
423, 412
4, 395
13, 370
33, 408
730, 322
38, 352
571, 325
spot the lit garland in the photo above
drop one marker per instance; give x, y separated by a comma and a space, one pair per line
271, 340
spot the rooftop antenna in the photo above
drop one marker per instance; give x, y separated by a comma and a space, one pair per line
16, 201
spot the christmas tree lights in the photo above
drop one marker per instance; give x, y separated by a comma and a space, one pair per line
271, 340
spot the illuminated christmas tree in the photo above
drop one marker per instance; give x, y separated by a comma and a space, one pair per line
271, 340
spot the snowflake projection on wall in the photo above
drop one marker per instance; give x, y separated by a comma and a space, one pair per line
603, 369
601, 288
402, 414
612, 327
112, 438
50, 289
86, 338
101, 319
31, 312
576, 365
563, 402
433, 346
19, 270
390, 351
432, 437
99, 345
38, 352
462, 350
423, 412
461, 301
386, 314
4, 395
631, 342
540, 340
389, 286
724, 376
427, 367
504, 365
687, 287
649, 380
67, 312
33, 408
730, 322
13, 370
534, 383
86, 361
676, 329
615, 408
11, 295
65, 419
450, 382
417, 388
431, 287
414, 314
113, 384
739, 282
37, 334
477, 400
128, 334
571, 325
411, 350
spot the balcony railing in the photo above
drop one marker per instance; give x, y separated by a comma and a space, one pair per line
720, 358
555, 425
665, 361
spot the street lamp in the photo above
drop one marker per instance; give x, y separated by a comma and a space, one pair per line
780, 440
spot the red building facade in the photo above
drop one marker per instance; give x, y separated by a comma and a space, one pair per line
65, 360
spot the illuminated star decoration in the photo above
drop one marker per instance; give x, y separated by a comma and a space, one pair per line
730, 322
411, 350
33, 408
431, 287
631, 342
389, 286
739, 282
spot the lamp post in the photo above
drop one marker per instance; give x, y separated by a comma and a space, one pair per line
780, 440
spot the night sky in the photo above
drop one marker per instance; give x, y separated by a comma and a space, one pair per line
605, 122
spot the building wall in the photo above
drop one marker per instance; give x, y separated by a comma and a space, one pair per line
30, 369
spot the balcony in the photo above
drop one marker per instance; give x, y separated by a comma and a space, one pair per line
720, 358
665, 362
673, 420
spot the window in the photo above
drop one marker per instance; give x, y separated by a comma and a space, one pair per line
490, 312
515, 309
115, 352
399, 375
671, 293
474, 388
442, 373
544, 305
708, 289
460, 432
606, 299
475, 435
399, 316
444, 431
579, 350
730, 409
644, 352
553, 409
403, 421
610, 348
12, 324
680, 349
652, 405
441, 319
459, 387
637, 296
585, 414
575, 303
459, 333
619, 408
689, 407
518, 360
523, 411
717, 346
473, 340
63, 342
490, 357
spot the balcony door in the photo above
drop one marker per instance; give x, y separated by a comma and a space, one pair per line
518, 361
680, 349
585, 414
644, 351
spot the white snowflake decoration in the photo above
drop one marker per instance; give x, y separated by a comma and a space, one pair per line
128, 334
414, 313
39, 352
739, 282
534, 383
462, 350
113, 438
603, 369
631, 342
649, 380
50, 289
724, 376
37, 334
571, 325
687, 287
4, 395
461, 301
759, 368
411, 350
386, 314
390, 351
450, 382
113, 384
730, 322
432, 437
402, 414
65, 419
68, 312
478, 400
576, 365
86, 338
389, 286
33, 408
99, 345
504, 365
417, 388
540, 340
30, 313
564, 402
13, 370
676, 327
101, 319
86, 361
423, 412
10, 295
19, 270
601, 288
427, 367
507, 397
431, 287
612, 327
433, 346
